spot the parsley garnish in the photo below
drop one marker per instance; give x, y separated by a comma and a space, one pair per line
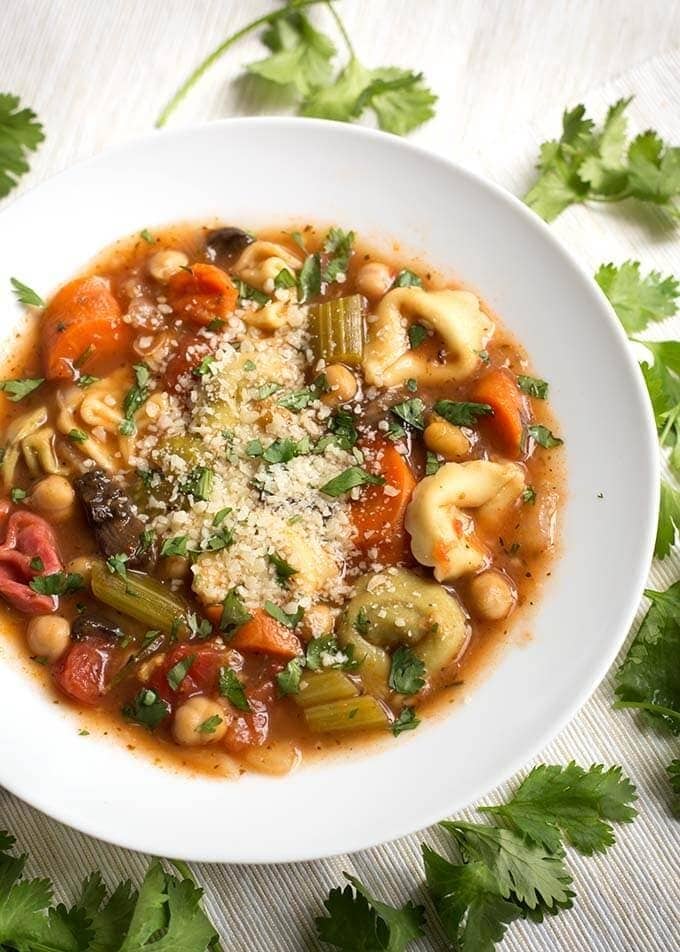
58, 583
432, 463
17, 494
266, 390
533, 387
232, 688
638, 301
285, 279
77, 436
416, 335
220, 516
248, 293
411, 411
199, 483
179, 671
361, 623
205, 367
338, 247
37, 564
20, 133
461, 414
147, 708
408, 279
234, 613
19, 389
288, 680
406, 672
589, 164
326, 653
529, 495
22, 292
348, 479
175, 546
135, 397
543, 436
116, 564
669, 519
198, 627
283, 570
219, 540
406, 721
412, 385
309, 279
86, 380
147, 236
249, 366
209, 725
285, 618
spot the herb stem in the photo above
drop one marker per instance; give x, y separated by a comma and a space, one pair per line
341, 27
646, 706
626, 193
202, 68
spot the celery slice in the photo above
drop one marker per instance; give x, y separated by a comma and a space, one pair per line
337, 329
322, 687
352, 714
140, 597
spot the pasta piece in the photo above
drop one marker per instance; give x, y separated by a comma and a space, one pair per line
268, 318
442, 532
40, 455
454, 316
26, 437
262, 261
97, 414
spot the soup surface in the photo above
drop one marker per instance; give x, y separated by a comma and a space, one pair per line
265, 494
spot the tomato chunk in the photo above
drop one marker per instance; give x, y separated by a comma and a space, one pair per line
202, 294
201, 677
81, 672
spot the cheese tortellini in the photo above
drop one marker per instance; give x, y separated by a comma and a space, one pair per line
442, 530
455, 317
262, 261
30, 437
90, 419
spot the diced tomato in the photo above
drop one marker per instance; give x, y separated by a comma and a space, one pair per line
202, 293
81, 672
190, 351
248, 730
201, 677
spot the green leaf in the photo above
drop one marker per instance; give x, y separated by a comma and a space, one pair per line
416, 335
284, 280
406, 721
290, 620
669, 520
17, 494
288, 680
408, 279
234, 613
209, 725
533, 387
175, 546
301, 55
18, 389
554, 801
649, 678
543, 436
24, 294
407, 671
179, 671
309, 279
325, 652
411, 411
20, 133
136, 396
340, 99
231, 687
58, 583
338, 247
638, 301
248, 293
283, 570
432, 463
673, 771
357, 922
147, 708
348, 479
653, 169
461, 414
467, 897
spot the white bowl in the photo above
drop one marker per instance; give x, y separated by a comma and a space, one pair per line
257, 171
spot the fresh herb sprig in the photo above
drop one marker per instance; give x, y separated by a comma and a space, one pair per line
300, 59
20, 133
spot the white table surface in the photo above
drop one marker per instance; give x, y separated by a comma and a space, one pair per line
97, 72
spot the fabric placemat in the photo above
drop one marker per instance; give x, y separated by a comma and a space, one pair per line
627, 900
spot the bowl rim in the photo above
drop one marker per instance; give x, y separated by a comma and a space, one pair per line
38, 797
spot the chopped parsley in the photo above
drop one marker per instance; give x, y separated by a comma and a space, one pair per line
407, 672
17, 494
86, 380
309, 279
416, 335
25, 295
77, 436
19, 389
533, 386
432, 463
406, 721
205, 367
199, 483
267, 390
147, 708
288, 680
147, 236
116, 564
135, 397
361, 623
58, 583
175, 546
37, 564
209, 725
411, 411
220, 516
222, 539
543, 436
285, 618
199, 627
283, 570
529, 496
179, 671
248, 293
249, 366
234, 613
461, 414
231, 687
285, 279
349, 479
325, 652
338, 247
407, 279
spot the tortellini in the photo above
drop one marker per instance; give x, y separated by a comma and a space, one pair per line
442, 531
454, 316
95, 415
30, 437
262, 261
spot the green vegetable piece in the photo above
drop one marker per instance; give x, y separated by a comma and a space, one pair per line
179, 671
337, 330
140, 597
59, 583
234, 613
300, 54
323, 687
288, 680
411, 411
669, 520
352, 714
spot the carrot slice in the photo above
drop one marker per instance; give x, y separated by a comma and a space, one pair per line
265, 635
505, 427
202, 294
379, 516
81, 328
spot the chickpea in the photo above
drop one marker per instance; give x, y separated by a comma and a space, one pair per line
446, 439
342, 383
374, 279
492, 596
175, 567
48, 636
165, 263
82, 565
189, 718
54, 497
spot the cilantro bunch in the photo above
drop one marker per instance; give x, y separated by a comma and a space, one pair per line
590, 164
20, 133
513, 869
301, 60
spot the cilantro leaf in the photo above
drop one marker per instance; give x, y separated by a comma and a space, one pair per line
234, 613
543, 436
248, 293
467, 897
533, 387
20, 133
408, 279
338, 246
637, 300
432, 463
18, 389
175, 546
406, 721
288, 680
147, 708
407, 671
669, 520
673, 771
417, 333
461, 414
58, 583
309, 278
300, 55
26, 295
663, 386
355, 921
135, 397
283, 570
348, 479
325, 652
411, 411
290, 620
554, 801
179, 671
231, 687
649, 678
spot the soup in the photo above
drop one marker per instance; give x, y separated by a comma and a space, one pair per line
263, 495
